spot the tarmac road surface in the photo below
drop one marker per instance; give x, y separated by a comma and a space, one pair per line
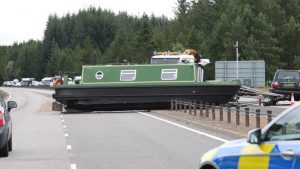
44, 139
38, 138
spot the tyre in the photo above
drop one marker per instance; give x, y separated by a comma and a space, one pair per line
4, 151
297, 98
10, 144
268, 101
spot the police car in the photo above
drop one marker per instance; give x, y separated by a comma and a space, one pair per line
276, 146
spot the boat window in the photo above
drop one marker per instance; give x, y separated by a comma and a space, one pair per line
169, 74
187, 60
128, 75
200, 75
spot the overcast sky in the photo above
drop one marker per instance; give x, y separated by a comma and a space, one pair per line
22, 20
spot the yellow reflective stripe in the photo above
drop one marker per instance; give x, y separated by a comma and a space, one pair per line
209, 155
255, 156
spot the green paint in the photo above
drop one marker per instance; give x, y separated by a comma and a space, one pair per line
144, 73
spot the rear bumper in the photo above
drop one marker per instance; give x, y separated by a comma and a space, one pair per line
285, 92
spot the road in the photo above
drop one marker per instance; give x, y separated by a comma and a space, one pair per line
38, 138
44, 139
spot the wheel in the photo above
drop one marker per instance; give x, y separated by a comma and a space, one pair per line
297, 98
4, 151
268, 101
10, 144
207, 167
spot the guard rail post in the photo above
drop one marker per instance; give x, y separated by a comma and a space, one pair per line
247, 116
201, 109
195, 108
180, 105
213, 111
269, 116
228, 113
221, 112
184, 106
237, 116
172, 104
176, 105
257, 118
190, 107
207, 109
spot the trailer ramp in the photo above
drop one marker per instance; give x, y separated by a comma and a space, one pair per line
266, 98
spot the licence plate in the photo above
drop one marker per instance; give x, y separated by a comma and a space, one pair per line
288, 85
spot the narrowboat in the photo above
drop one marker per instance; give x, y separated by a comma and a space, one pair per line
144, 86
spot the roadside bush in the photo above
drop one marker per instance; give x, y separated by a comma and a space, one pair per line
3, 94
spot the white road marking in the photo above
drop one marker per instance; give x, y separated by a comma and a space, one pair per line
73, 166
186, 128
62, 120
67, 135
69, 147
64, 126
202, 124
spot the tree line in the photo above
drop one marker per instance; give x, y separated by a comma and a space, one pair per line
267, 30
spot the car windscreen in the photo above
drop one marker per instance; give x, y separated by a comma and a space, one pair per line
293, 76
286, 128
164, 60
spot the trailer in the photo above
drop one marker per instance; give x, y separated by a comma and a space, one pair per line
266, 98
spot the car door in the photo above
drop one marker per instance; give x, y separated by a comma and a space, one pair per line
284, 135
265, 156
6, 112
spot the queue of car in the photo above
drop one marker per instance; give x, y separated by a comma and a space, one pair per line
23, 82
45, 82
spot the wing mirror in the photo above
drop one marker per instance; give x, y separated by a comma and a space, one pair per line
11, 105
254, 136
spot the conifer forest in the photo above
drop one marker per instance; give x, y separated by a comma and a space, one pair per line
266, 30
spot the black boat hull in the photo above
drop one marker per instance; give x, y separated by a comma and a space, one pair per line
140, 98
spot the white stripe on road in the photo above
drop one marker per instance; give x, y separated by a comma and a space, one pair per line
64, 126
66, 135
73, 166
186, 128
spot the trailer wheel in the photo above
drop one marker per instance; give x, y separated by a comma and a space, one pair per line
269, 101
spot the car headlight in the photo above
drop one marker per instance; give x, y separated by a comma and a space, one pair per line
208, 155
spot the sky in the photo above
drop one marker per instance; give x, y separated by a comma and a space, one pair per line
22, 20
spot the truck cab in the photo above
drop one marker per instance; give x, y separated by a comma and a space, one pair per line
189, 56
169, 58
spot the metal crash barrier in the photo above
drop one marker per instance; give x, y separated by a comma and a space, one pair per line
235, 115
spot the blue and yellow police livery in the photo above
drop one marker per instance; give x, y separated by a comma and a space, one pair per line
277, 146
